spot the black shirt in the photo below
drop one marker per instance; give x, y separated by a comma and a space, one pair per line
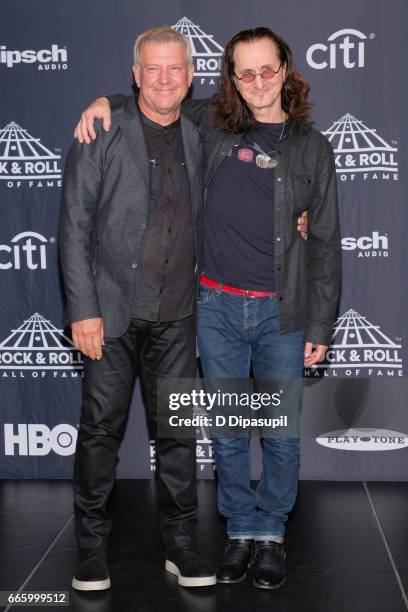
166, 285
238, 243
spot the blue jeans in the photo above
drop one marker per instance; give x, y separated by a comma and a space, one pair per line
233, 332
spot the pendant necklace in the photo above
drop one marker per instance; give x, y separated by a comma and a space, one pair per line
264, 160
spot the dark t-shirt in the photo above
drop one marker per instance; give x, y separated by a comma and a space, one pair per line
238, 246
166, 287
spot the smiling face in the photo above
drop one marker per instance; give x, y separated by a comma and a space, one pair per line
263, 96
163, 78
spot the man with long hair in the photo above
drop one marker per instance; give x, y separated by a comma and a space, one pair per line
267, 298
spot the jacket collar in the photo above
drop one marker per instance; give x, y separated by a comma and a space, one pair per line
133, 130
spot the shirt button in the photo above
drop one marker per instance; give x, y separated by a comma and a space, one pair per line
143, 226
279, 179
134, 265
278, 239
169, 230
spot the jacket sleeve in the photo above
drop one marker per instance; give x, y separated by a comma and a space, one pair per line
117, 100
323, 250
80, 194
196, 110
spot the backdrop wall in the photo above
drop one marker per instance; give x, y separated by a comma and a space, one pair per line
55, 57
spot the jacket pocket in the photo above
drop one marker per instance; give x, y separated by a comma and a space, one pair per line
303, 187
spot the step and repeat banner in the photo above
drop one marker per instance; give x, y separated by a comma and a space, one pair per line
57, 56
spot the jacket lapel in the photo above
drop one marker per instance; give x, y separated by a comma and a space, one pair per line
133, 132
190, 138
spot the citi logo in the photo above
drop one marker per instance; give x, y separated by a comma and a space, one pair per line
205, 50
359, 348
25, 161
27, 251
55, 58
345, 48
38, 349
366, 246
360, 153
363, 439
39, 440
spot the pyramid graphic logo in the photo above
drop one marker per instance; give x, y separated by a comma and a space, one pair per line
38, 346
360, 151
206, 51
25, 160
359, 348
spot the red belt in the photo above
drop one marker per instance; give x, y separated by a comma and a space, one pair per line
204, 280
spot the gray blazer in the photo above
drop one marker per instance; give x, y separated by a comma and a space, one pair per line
104, 214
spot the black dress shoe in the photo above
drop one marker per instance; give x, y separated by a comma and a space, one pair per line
191, 570
236, 558
269, 571
92, 573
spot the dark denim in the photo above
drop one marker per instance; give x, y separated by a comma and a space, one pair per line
155, 350
233, 332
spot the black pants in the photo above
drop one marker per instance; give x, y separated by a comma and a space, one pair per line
155, 350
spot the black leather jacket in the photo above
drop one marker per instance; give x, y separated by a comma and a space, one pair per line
308, 271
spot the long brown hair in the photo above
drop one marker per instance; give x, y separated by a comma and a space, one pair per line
229, 111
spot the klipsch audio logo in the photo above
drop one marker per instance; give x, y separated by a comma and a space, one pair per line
363, 439
39, 440
38, 349
55, 58
345, 48
206, 51
25, 161
360, 153
359, 348
366, 246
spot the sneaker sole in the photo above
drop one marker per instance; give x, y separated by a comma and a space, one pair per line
189, 581
88, 585
270, 587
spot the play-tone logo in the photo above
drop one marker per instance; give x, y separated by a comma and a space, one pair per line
360, 153
206, 51
204, 455
25, 161
363, 439
345, 48
366, 246
55, 58
38, 440
359, 348
38, 349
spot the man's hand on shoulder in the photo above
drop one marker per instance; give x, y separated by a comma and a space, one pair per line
87, 336
99, 109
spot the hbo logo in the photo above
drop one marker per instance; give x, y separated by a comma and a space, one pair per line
39, 439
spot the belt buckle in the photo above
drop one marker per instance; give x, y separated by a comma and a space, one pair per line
251, 297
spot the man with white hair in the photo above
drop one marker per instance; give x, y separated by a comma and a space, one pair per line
130, 232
